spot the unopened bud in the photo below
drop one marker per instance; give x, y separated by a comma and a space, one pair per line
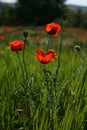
25, 34
77, 47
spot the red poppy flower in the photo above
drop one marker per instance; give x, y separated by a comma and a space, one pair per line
47, 57
16, 45
53, 29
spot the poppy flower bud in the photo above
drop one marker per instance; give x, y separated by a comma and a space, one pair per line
77, 47
25, 34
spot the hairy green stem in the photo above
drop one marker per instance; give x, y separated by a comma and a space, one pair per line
25, 69
49, 42
59, 56
21, 65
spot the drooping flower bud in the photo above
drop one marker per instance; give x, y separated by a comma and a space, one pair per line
25, 34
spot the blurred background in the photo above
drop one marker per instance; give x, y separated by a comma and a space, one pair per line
40, 12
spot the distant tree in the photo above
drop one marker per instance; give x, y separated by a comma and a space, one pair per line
70, 17
84, 22
7, 14
39, 11
78, 18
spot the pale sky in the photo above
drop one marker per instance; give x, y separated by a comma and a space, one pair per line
75, 2
8, 1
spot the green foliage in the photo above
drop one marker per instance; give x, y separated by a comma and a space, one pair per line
7, 15
45, 104
39, 12
77, 18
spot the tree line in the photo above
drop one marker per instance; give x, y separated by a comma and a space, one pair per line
40, 12
36, 12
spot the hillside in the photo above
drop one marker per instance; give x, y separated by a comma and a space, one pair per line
75, 7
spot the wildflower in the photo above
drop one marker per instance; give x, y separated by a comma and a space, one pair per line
6, 29
38, 43
2, 37
47, 57
53, 29
35, 37
16, 45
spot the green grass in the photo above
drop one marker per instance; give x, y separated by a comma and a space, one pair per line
46, 105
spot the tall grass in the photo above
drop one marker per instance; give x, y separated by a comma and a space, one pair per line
41, 103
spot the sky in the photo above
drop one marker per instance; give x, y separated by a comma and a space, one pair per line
8, 1
75, 2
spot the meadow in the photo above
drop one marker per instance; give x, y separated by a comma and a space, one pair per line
39, 96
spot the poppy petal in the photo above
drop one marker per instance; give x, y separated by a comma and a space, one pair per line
51, 55
39, 54
53, 29
16, 45
47, 57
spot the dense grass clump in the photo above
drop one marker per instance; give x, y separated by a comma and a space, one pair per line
44, 100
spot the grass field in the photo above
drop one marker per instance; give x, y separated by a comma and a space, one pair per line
41, 102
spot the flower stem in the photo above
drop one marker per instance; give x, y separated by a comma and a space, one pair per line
49, 42
59, 56
20, 65
25, 69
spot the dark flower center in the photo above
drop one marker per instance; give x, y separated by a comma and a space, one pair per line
53, 31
